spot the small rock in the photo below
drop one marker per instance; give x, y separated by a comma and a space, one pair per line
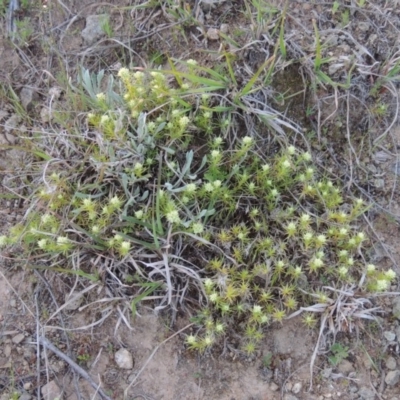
25, 396
297, 387
12, 123
396, 307
389, 336
213, 34
392, 377
345, 367
4, 363
288, 396
366, 393
51, 391
28, 96
27, 386
45, 115
326, 372
7, 350
398, 333
13, 303
379, 183
327, 395
273, 386
288, 386
124, 359
396, 168
391, 363
74, 302
18, 338
224, 28
333, 68
94, 29
55, 92
363, 26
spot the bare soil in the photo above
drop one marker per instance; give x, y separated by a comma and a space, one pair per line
163, 368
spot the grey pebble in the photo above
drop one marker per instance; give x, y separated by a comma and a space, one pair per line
392, 377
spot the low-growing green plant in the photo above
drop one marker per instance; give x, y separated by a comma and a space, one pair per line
339, 353
161, 183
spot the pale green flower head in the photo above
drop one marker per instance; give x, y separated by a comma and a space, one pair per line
306, 156
173, 217
138, 75
42, 243
390, 274
123, 73
184, 121
247, 140
116, 202
291, 150
139, 214
101, 96
382, 285
217, 184
218, 141
208, 187
208, 283
191, 339
197, 228
192, 62
215, 154
104, 119
95, 229
61, 240
265, 167
46, 218
118, 238
125, 247
343, 271
213, 297
190, 188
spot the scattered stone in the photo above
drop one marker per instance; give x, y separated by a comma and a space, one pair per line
94, 29
4, 363
389, 336
288, 396
273, 386
18, 338
13, 303
12, 123
124, 359
213, 34
345, 367
224, 28
45, 115
7, 350
391, 363
25, 396
396, 307
288, 386
74, 302
326, 372
51, 391
333, 68
396, 168
379, 183
392, 377
327, 395
366, 393
297, 387
55, 92
27, 386
28, 96
363, 26
398, 333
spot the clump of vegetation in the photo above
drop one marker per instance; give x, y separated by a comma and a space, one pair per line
158, 184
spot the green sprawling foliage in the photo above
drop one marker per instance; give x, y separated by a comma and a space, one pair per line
158, 184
